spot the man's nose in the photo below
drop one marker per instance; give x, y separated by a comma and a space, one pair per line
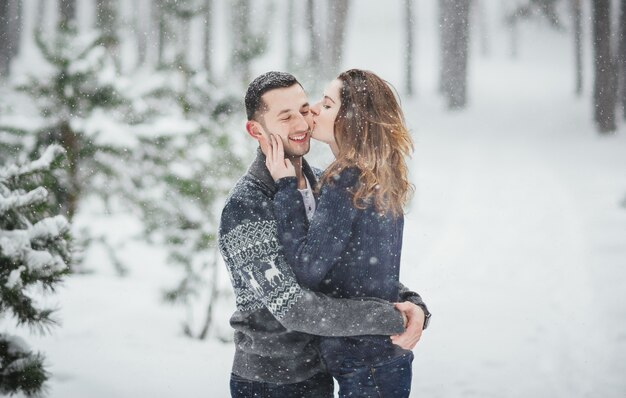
315, 109
304, 123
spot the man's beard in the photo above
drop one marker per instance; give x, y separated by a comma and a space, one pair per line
289, 153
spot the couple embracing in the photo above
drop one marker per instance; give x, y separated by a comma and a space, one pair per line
314, 256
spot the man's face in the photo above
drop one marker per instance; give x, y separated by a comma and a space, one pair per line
287, 115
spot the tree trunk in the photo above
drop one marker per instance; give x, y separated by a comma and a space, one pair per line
159, 28
442, 46
409, 22
290, 32
512, 19
337, 19
622, 57
10, 28
106, 16
106, 22
455, 52
204, 331
184, 34
314, 40
577, 28
208, 42
67, 13
141, 32
604, 90
242, 39
15, 25
40, 16
70, 143
483, 26
5, 42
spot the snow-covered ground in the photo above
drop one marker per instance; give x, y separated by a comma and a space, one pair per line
516, 238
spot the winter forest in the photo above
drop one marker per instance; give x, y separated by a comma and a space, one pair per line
122, 132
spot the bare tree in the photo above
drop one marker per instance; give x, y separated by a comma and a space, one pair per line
338, 11
314, 47
208, 37
10, 28
622, 57
483, 26
455, 48
577, 30
240, 23
142, 30
409, 24
531, 9
106, 22
604, 90
442, 39
290, 22
40, 15
67, 13
5, 49
246, 43
159, 29
5, 43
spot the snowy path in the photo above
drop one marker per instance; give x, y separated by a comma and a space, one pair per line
508, 234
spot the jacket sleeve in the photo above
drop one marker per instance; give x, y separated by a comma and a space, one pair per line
412, 297
312, 250
262, 278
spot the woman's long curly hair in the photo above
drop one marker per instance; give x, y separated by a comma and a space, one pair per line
371, 135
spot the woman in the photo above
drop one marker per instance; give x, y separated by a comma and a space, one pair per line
352, 246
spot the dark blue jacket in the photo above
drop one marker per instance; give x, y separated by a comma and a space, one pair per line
344, 252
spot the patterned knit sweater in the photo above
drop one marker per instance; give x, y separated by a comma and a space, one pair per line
276, 319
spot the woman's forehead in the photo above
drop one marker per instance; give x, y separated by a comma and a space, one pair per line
333, 90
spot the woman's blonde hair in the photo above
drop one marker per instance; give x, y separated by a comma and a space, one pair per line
371, 135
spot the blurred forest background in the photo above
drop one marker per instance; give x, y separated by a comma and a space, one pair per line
134, 109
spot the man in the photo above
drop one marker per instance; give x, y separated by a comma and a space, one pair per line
276, 318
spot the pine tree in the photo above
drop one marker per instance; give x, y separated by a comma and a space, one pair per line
170, 163
81, 110
79, 88
180, 181
34, 251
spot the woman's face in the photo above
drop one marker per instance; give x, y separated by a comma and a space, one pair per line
325, 112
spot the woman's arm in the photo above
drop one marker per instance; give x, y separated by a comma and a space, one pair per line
313, 249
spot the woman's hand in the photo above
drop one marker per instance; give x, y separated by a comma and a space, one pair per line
275, 161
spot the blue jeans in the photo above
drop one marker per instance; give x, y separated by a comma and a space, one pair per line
318, 386
390, 379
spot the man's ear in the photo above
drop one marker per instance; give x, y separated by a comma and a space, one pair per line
254, 130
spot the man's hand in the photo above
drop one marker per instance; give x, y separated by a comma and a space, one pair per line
275, 161
414, 327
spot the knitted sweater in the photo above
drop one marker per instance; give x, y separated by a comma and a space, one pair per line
345, 252
276, 318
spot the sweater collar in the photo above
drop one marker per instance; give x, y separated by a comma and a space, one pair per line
260, 171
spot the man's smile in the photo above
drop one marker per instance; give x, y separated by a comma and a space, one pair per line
299, 138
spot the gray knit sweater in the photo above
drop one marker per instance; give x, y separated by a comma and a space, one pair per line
276, 319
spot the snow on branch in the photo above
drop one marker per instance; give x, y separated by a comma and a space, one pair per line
17, 200
49, 228
41, 164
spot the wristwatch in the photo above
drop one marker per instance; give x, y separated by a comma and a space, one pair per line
427, 315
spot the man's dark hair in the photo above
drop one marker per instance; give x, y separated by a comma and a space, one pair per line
262, 84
